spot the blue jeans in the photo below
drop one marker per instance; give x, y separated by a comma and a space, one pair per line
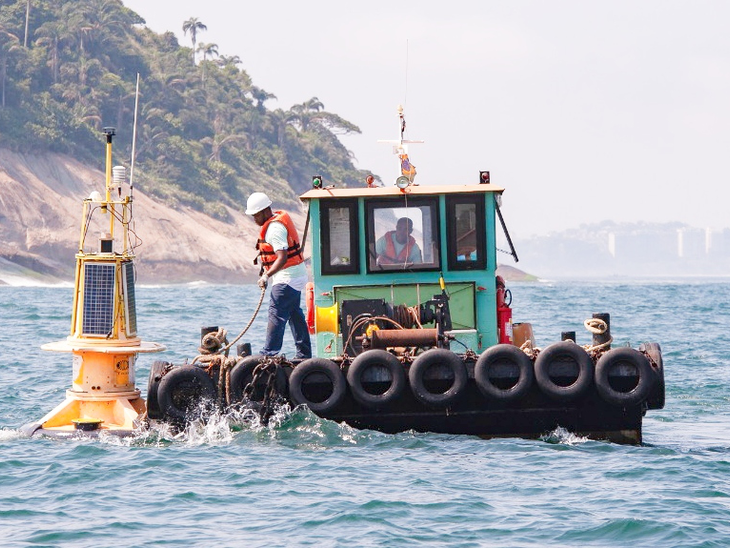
285, 307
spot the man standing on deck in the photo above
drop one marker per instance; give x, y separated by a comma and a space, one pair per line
282, 265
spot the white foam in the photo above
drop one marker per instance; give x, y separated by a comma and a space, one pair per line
8, 435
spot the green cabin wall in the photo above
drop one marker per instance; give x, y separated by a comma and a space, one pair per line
474, 289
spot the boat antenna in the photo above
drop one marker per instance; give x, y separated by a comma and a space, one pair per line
134, 139
405, 96
400, 147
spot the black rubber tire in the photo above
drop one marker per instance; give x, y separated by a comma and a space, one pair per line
564, 351
504, 354
633, 358
419, 370
655, 399
241, 376
184, 391
376, 358
157, 372
330, 370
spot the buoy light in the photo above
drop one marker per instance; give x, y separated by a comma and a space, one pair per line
317, 181
484, 177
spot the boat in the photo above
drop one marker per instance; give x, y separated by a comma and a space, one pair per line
414, 331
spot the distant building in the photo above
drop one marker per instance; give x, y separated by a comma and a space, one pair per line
609, 249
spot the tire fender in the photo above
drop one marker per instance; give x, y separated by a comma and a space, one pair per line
656, 397
618, 357
372, 359
504, 354
182, 391
242, 374
325, 367
427, 360
157, 372
568, 352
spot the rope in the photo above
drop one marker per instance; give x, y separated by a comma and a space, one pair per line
598, 327
531, 351
224, 380
595, 325
211, 342
255, 312
214, 344
415, 312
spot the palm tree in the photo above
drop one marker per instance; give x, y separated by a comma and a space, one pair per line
8, 43
229, 60
310, 115
260, 96
52, 34
306, 112
207, 49
193, 26
27, 17
282, 120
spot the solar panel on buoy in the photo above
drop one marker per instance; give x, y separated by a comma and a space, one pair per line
98, 298
129, 298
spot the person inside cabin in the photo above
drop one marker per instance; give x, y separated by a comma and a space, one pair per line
398, 246
282, 267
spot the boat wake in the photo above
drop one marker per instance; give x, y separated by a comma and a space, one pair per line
563, 436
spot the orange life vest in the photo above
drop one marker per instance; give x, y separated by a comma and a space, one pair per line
266, 250
390, 256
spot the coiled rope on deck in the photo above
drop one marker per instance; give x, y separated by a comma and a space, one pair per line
214, 349
597, 326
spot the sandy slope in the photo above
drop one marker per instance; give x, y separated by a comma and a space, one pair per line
40, 216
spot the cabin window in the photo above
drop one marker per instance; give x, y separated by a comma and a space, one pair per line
403, 234
340, 249
465, 232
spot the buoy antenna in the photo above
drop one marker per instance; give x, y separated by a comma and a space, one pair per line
134, 140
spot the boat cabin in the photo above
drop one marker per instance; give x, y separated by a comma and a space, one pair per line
385, 252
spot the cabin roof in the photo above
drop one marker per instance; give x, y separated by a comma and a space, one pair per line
413, 190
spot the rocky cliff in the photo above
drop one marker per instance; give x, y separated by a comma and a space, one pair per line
40, 215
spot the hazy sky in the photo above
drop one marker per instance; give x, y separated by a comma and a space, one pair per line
582, 110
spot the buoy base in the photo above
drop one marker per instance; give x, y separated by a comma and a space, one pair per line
112, 414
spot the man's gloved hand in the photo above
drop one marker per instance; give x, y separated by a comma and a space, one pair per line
262, 280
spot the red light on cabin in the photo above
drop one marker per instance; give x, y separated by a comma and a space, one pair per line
370, 180
484, 177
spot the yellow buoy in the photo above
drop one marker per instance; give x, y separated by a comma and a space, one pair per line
103, 339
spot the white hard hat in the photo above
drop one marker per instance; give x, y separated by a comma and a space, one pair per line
258, 201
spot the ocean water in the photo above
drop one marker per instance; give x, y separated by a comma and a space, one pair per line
303, 481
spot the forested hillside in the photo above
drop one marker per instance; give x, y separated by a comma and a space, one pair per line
205, 137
